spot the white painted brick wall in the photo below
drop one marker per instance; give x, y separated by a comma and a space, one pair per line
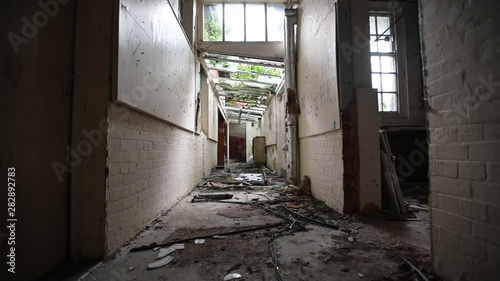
151, 166
321, 160
461, 43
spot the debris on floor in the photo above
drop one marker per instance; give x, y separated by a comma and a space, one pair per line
160, 263
258, 229
166, 251
232, 276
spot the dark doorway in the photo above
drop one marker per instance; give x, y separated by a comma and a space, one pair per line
222, 142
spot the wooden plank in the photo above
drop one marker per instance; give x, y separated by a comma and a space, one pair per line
392, 171
388, 190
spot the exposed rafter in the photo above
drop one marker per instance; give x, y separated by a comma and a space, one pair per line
245, 72
261, 63
244, 81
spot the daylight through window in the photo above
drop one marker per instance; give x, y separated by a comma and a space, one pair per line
243, 22
383, 62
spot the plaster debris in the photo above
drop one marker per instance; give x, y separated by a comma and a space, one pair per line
164, 252
179, 246
160, 263
199, 241
232, 276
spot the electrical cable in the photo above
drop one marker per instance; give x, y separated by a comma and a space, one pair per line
390, 26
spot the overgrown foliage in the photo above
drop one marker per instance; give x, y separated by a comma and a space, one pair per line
212, 30
259, 69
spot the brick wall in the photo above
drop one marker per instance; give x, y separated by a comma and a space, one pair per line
321, 160
462, 74
151, 166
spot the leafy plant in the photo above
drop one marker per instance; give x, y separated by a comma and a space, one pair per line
244, 76
259, 69
212, 29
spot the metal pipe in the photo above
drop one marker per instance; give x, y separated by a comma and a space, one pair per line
291, 135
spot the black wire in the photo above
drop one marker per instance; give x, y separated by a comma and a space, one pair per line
396, 21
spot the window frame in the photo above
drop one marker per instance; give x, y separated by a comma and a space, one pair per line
398, 32
223, 27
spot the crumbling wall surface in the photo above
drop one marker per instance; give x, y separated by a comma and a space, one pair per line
151, 164
268, 129
320, 147
321, 160
462, 80
209, 156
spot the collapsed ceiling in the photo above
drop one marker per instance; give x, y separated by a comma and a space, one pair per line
244, 85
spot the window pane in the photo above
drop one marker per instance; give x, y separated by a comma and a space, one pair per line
390, 102
385, 46
256, 22
373, 44
383, 23
275, 23
388, 82
375, 64
234, 24
388, 64
376, 82
373, 30
212, 22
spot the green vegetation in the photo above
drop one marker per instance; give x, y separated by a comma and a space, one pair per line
212, 30
320, 206
259, 69
244, 76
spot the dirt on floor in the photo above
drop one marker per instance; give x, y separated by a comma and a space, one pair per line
311, 242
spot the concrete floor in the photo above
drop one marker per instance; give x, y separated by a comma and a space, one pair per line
363, 249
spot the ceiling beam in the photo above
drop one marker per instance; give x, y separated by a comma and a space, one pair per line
246, 81
243, 110
273, 51
245, 72
266, 64
203, 65
243, 92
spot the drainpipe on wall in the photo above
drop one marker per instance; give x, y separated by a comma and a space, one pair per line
292, 109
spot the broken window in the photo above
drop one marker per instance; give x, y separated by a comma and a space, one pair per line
243, 22
383, 61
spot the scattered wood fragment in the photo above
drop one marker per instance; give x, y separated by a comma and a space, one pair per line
153, 245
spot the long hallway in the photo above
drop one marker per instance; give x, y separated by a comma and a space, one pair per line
369, 130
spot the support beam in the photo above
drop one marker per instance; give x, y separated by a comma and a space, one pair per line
211, 82
255, 91
291, 135
245, 72
279, 65
244, 81
243, 110
259, 50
